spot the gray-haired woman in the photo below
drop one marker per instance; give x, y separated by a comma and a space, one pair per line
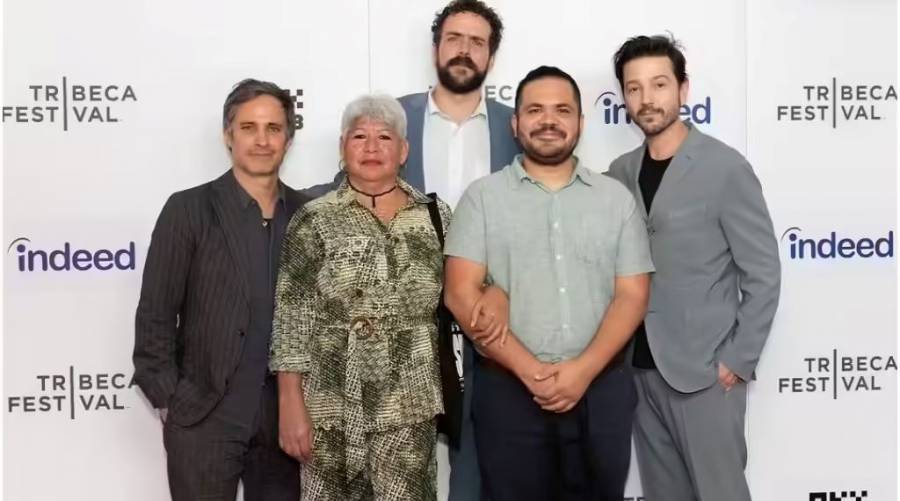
355, 339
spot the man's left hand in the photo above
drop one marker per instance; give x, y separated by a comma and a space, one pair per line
727, 378
571, 379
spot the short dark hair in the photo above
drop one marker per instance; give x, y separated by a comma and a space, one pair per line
476, 7
643, 46
249, 89
547, 72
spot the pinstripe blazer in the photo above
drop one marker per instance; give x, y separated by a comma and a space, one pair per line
194, 307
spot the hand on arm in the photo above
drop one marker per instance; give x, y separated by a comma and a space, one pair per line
462, 291
490, 317
571, 378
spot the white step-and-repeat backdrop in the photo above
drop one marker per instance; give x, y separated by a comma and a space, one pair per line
108, 107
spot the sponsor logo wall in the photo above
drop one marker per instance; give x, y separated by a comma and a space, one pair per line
106, 111
822, 135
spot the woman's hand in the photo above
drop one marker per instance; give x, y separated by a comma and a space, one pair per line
295, 433
490, 317
295, 428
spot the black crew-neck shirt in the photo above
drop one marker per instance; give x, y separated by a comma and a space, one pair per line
649, 179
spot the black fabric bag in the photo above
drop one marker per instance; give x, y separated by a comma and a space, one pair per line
450, 422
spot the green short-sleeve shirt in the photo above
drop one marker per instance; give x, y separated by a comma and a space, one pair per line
556, 254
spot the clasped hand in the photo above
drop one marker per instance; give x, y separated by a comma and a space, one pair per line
558, 387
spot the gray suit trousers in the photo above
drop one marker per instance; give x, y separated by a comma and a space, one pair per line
465, 477
690, 446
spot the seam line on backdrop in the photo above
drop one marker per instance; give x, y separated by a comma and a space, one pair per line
747, 81
65, 107
369, 41
71, 392
747, 414
834, 102
834, 372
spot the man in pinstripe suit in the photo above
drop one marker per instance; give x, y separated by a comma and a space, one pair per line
204, 319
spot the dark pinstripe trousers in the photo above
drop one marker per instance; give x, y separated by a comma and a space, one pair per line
206, 460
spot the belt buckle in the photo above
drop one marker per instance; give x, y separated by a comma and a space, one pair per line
362, 326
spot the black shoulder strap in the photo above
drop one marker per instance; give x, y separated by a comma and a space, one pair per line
436, 217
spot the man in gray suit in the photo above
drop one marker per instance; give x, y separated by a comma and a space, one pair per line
457, 135
714, 293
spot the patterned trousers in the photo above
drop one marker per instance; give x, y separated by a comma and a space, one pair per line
400, 464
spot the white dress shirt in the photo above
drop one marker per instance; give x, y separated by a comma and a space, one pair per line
454, 154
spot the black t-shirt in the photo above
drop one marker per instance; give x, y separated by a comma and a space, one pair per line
649, 179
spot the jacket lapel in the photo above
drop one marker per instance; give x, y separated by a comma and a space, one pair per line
633, 170
415, 119
499, 130
681, 164
229, 219
294, 200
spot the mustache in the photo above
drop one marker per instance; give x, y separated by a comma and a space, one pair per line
649, 109
462, 61
547, 128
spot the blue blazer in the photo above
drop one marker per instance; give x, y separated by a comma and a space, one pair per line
503, 145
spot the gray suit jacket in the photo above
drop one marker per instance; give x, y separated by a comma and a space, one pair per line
718, 275
503, 145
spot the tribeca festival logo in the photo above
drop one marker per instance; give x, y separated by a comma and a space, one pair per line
836, 246
840, 373
69, 258
297, 98
68, 104
839, 495
839, 103
72, 393
503, 93
614, 112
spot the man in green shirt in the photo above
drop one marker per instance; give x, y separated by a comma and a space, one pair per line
553, 404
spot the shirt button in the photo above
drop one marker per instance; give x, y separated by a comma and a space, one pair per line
562, 290
565, 326
556, 224
558, 257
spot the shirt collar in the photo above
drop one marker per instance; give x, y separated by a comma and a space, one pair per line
244, 199
431, 108
520, 176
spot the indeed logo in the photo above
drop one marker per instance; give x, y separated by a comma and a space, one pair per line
70, 259
834, 247
614, 111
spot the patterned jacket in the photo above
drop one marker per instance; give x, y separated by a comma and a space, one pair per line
355, 310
